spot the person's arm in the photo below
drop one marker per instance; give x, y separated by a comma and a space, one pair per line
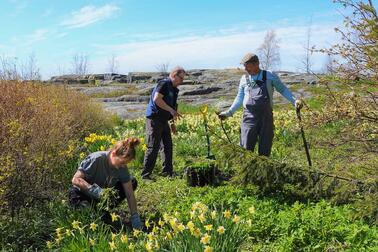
135, 219
158, 99
79, 181
129, 192
282, 89
238, 101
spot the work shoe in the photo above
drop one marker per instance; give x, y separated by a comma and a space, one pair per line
147, 178
166, 174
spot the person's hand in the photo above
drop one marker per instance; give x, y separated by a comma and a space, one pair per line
95, 192
298, 104
173, 128
175, 114
135, 221
222, 115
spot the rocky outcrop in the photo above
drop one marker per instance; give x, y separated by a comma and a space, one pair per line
201, 86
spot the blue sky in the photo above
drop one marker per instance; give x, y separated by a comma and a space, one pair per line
144, 33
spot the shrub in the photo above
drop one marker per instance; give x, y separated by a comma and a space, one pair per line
41, 126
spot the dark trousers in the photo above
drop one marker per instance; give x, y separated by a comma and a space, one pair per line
77, 198
158, 137
257, 126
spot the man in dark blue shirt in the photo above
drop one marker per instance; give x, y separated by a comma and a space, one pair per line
162, 108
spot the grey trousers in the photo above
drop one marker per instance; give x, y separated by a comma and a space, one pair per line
257, 126
158, 137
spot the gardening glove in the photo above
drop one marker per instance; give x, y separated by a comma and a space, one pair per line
135, 221
95, 191
298, 104
223, 115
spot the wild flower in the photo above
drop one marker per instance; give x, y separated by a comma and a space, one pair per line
221, 230
208, 249
205, 239
209, 227
76, 224
124, 238
114, 217
213, 214
112, 246
93, 226
227, 214
236, 219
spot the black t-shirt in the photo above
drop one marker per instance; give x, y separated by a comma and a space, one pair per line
170, 94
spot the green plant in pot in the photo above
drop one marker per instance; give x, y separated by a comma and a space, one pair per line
201, 172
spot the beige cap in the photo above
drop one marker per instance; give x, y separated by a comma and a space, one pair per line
250, 58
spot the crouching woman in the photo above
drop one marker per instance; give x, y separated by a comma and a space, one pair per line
107, 169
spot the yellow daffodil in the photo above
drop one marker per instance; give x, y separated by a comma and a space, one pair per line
144, 147
181, 227
92, 241
124, 238
68, 232
192, 214
173, 223
147, 223
227, 214
236, 219
49, 244
202, 218
155, 229
209, 227
93, 226
161, 223
252, 210
136, 232
131, 246
58, 239
221, 230
204, 109
157, 246
114, 217
213, 215
82, 155
113, 236
190, 225
58, 230
197, 232
169, 236
148, 246
166, 217
208, 249
151, 236
112, 245
205, 239
76, 224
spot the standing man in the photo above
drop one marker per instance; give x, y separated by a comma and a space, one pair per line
256, 95
162, 108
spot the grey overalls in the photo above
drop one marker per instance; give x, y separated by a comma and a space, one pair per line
257, 122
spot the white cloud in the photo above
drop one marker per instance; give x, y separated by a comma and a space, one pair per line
61, 35
88, 15
20, 6
216, 50
36, 36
